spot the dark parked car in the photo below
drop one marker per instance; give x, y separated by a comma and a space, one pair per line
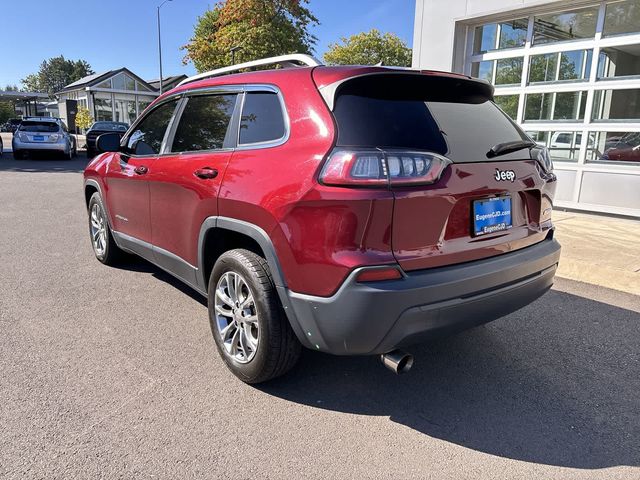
97, 129
11, 125
351, 210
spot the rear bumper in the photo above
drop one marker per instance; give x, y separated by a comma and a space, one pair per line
373, 318
39, 147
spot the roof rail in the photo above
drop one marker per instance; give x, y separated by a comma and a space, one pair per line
291, 60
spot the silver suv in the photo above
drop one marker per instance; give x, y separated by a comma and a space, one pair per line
43, 134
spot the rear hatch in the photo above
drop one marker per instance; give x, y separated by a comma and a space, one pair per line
473, 204
39, 131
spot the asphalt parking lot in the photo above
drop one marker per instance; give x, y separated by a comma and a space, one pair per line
112, 372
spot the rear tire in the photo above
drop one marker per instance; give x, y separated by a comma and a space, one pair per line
249, 326
102, 242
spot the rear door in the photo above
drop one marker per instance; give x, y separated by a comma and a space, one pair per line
482, 205
126, 177
185, 183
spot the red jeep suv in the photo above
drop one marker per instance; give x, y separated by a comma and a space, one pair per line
351, 210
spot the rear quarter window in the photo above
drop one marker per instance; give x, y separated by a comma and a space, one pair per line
262, 118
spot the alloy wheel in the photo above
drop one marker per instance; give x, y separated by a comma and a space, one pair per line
236, 317
98, 230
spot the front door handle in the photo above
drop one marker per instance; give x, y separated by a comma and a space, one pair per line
206, 172
141, 169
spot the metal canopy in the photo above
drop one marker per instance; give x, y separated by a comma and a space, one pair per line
22, 96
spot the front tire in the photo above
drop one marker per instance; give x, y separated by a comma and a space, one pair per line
104, 246
250, 329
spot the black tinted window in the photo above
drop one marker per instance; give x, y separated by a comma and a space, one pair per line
463, 129
262, 118
147, 138
43, 127
204, 123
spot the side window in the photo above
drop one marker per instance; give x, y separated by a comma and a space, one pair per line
262, 118
147, 138
204, 123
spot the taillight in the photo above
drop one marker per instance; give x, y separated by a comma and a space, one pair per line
356, 167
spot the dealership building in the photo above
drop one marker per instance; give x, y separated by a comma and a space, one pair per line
567, 71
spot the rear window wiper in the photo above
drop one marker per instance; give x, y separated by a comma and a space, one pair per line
509, 147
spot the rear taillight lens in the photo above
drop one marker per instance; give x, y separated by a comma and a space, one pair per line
355, 167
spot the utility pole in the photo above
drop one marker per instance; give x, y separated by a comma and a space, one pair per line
160, 43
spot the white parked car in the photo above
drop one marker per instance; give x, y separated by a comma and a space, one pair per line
38, 134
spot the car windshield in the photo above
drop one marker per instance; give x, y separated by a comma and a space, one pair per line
110, 126
43, 127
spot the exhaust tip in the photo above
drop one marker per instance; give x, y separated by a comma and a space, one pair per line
397, 361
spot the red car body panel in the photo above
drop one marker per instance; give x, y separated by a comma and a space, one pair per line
320, 233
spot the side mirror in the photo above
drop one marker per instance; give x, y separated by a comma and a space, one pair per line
108, 142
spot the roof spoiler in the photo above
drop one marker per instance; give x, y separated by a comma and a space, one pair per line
396, 84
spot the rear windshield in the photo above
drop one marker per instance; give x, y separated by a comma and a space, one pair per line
46, 127
111, 126
423, 115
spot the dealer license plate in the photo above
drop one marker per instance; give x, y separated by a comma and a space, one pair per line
491, 215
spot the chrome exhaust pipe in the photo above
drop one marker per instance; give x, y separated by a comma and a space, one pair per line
397, 361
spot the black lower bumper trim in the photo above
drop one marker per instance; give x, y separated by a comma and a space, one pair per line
377, 317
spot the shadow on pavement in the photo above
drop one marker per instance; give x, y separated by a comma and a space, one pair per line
42, 163
138, 264
557, 383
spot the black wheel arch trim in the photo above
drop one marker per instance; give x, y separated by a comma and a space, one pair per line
264, 241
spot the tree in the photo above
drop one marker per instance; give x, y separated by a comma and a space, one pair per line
263, 28
55, 74
6, 111
369, 48
83, 118
10, 88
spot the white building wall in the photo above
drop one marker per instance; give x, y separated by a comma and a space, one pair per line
434, 35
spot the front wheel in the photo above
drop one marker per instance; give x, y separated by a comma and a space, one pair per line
250, 329
104, 246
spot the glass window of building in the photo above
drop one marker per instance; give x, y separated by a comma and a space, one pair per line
622, 17
105, 84
564, 146
616, 105
543, 68
622, 61
123, 82
141, 87
508, 71
125, 108
568, 106
483, 70
570, 25
614, 147
103, 108
495, 36
508, 104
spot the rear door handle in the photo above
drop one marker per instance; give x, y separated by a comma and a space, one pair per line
206, 172
141, 169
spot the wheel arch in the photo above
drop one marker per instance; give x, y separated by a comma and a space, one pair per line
257, 239
216, 231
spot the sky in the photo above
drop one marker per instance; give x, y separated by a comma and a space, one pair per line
123, 33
